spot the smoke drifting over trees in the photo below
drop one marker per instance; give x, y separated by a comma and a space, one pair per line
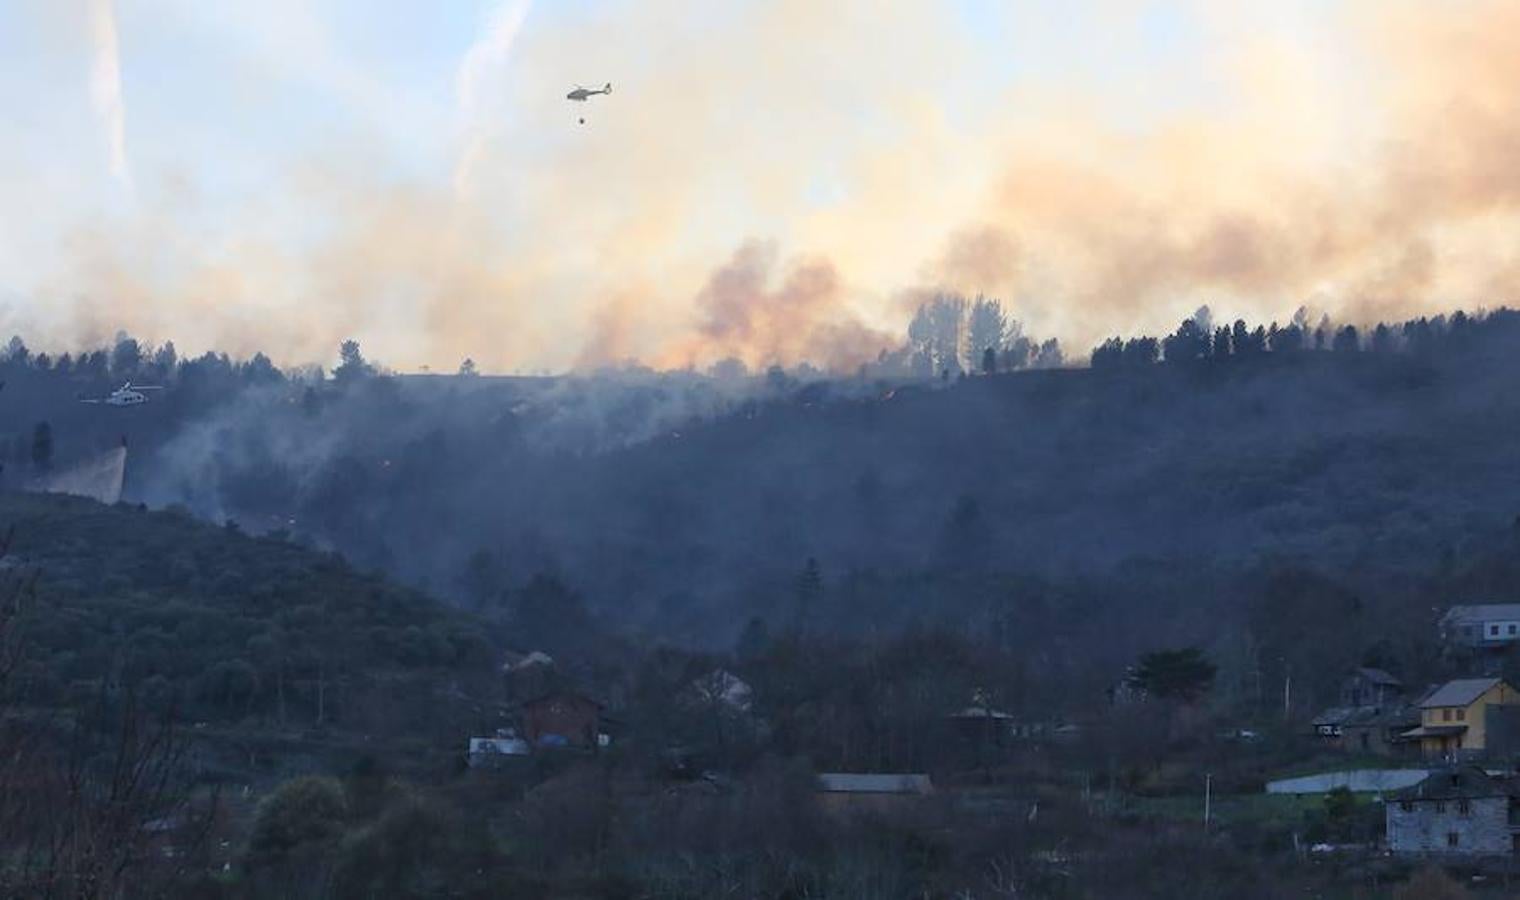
926, 412
686, 503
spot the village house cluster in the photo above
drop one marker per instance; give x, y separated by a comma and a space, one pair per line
1462, 719
1465, 733
1450, 787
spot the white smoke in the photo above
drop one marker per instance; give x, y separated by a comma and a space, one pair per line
105, 85
482, 63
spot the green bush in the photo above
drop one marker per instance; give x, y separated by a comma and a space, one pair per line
304, 815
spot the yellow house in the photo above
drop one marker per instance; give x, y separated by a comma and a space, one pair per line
1453, 717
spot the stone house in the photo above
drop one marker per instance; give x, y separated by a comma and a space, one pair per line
1455, 811
1372, 716
1367, 686
1379, 730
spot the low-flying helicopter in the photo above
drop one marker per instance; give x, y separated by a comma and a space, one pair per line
126, 395
581, 94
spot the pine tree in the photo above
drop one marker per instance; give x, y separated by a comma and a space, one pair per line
754, 640
353, 366
42, 447
808, 589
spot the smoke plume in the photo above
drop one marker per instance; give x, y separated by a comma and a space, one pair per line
746, 312
771, 182
484, 62
105, 86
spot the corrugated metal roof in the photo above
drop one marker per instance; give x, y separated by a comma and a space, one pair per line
873, 783
1361, 781
1461, 692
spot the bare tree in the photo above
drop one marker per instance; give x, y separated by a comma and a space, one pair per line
93, 803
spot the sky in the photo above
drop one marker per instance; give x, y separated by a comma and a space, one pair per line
774, 181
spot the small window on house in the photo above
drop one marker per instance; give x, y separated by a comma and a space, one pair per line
1493, 630
1453, 839
1406, 805
1512, 629
1445, 715
1464, 808
1461, 715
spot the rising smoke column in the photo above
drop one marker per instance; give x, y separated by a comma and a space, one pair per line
105, 85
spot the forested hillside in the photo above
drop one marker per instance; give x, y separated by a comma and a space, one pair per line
225, 628
684, 504
158, 674
867, 554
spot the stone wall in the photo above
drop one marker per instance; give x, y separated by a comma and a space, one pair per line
1425, 825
